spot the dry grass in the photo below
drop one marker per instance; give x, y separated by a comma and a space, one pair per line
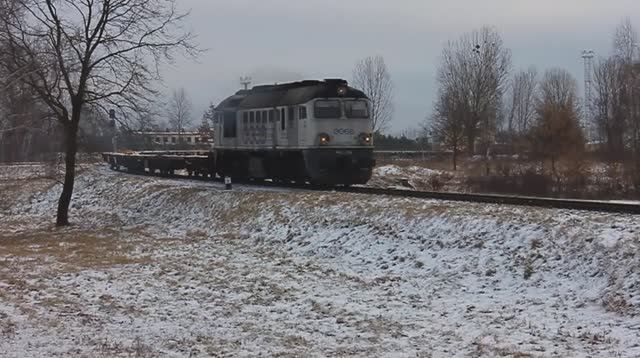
69, 250
618, 303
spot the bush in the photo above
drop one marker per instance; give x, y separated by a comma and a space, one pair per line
529, 183
436, 183
536, 184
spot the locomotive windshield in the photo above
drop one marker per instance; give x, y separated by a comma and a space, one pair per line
327, 109
356, 109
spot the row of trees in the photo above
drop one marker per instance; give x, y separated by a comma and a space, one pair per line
479, 102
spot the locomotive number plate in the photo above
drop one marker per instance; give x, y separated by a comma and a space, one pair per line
343, 131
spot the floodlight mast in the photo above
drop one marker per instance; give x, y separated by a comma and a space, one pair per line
587, 56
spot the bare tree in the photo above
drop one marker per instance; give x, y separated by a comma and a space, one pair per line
522, 101
179, 110
558, 87
477, 65
625, 42
627, 54
557, 130
209, 113
92, 53
372, 77
608, 104
447, 122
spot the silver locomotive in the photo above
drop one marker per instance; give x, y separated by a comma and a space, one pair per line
307, 131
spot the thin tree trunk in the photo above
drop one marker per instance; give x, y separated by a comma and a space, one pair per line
455, 157
71, 147
553, 166
470, 143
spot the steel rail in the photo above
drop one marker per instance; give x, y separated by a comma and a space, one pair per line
543, 202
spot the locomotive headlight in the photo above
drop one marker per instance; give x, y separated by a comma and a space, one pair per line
324, 139
365, 138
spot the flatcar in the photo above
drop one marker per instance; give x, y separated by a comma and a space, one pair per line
316, 131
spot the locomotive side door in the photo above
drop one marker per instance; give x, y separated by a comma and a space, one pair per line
282, 127
292, 126
302, 128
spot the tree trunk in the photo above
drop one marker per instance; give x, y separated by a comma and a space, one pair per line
455, 157
71, 147
470, 142
553, 166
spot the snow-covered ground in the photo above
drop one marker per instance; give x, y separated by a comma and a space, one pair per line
409, 177
164, 267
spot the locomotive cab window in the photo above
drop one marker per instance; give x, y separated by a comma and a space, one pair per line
356, 109
229, 125
302, 112
327, 109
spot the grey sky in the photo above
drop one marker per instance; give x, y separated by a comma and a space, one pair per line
282, 40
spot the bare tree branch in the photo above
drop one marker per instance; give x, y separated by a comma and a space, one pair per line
476, 66
179, 110
557, 131
521, 104
372, 77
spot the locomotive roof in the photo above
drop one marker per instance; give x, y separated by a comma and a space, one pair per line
285, 94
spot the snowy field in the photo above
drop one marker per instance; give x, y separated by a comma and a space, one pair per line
158, 267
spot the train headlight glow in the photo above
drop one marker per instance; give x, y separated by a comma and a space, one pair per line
366, 139
324, 139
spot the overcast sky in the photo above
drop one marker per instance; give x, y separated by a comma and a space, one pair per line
282, 40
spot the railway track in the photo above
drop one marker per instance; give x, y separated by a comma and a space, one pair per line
572, 204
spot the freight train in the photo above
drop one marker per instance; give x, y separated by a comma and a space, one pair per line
309, 131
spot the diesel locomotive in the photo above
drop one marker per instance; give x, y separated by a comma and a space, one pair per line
308, 131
